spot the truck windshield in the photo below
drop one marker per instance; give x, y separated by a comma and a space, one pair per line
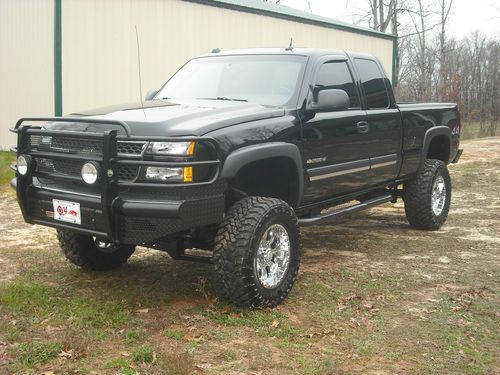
270, 80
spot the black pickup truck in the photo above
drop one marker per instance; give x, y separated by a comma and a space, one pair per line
229, 158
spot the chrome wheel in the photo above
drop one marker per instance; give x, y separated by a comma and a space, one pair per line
104, 246
438, 198
273, 256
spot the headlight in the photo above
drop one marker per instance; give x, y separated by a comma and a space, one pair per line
169, 174
90, 172
172, 148
22, 164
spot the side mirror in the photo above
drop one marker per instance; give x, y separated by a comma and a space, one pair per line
330, 100
151, 94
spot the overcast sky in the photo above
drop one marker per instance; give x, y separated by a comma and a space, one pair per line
467, 15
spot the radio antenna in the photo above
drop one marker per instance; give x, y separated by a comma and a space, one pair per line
139, 66
290, 47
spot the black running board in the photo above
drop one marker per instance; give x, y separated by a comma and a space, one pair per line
343, 212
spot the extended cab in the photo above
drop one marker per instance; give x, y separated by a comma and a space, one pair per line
232, 155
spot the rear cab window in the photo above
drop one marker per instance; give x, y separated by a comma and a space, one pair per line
373, 83
336, 75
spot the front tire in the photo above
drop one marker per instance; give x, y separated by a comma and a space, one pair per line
257, 252
90, 253
427, 198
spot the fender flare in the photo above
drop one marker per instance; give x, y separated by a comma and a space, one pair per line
248, 154
430, 134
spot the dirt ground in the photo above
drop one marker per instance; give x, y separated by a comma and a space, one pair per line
373, 296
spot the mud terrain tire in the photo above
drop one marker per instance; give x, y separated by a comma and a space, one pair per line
423, 208
239, 267
83, 251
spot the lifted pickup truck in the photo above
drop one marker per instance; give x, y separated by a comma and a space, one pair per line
231, 156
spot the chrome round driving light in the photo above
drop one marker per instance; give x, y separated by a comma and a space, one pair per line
23, 164
90, 172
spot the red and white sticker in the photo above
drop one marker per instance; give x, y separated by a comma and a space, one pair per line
67, 211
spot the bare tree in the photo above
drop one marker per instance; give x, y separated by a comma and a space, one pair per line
493, 84
384, 16
382, 13
308, 2
420, 56
445, 8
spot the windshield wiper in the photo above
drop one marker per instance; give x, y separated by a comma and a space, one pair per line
224, 98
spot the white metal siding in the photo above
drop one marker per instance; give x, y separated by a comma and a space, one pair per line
26, 57
99, 53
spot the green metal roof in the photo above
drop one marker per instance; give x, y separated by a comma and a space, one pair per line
284, 12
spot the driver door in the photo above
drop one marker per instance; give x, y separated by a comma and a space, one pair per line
336, 150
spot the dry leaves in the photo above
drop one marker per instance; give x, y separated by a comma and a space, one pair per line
204, 366
66, 354
3, 351
321, 333
353, 323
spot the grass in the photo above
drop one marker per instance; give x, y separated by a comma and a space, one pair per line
133, 336
143, 354
31, 354
33, 298
141, 361
117, 363
89, 312
466, 329
25, 297
472, 130
6, 159
179, 363
269, 323
173, 334
476, 175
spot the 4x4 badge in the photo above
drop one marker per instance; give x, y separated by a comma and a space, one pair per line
316, 160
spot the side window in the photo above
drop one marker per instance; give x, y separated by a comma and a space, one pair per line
336, 75
373, 83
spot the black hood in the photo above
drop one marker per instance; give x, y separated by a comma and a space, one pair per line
172, 118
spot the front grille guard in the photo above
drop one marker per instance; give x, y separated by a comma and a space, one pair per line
109, 160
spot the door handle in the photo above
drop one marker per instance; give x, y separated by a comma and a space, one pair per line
363, 127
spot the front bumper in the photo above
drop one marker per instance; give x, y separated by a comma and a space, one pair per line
121, 211
134, 218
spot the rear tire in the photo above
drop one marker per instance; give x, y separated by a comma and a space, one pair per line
257, 252
427, 198
89, 253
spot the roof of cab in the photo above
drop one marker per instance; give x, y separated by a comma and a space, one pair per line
298, 51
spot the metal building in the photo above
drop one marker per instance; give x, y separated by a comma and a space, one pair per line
61, 56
